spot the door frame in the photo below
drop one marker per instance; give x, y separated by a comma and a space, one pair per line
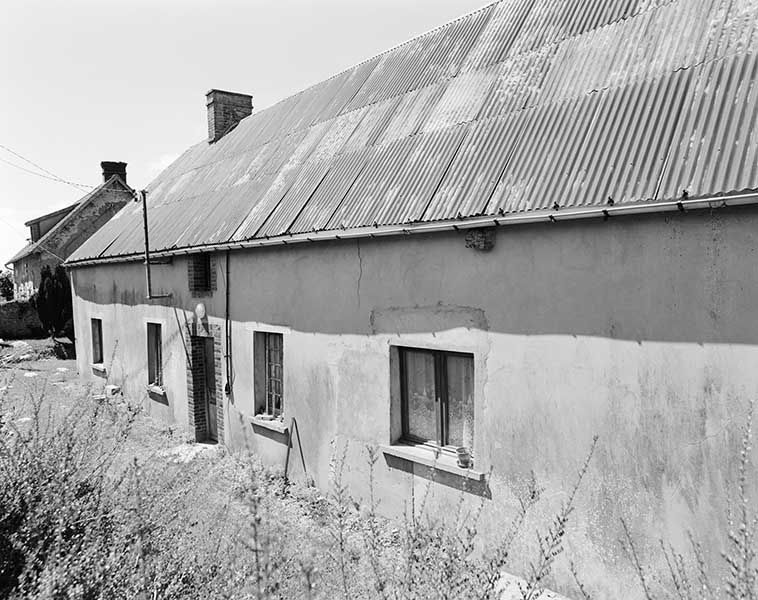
198, 410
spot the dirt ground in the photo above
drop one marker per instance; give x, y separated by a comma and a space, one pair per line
29, 369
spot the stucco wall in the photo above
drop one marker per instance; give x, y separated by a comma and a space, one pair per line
46, 223
642, 331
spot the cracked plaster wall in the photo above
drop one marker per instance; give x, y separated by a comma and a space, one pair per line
642, 331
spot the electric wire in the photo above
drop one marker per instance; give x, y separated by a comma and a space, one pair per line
14, 228
46, 174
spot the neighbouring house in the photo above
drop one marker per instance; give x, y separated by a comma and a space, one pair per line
529, 226
54, 236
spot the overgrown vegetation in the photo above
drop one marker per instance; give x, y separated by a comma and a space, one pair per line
79, 518
6, 285
90, 509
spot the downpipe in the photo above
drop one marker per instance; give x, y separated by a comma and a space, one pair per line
141, 196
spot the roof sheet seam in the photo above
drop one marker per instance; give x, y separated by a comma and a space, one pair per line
442, 177
539, 49
294, 219
671, 144
347, 193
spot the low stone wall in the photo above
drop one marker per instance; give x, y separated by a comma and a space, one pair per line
19, 320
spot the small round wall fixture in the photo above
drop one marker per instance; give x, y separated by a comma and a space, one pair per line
200, 312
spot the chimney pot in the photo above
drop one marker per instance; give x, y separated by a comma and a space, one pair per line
113, 168
225, 111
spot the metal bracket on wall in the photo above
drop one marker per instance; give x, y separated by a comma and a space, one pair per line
293, 429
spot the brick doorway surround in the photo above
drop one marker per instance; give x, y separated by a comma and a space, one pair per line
197, 413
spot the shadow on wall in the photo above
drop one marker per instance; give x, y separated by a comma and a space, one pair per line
675, 278
477, 487
665, 413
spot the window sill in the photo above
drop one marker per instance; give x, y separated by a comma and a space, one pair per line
156, 391
98, 369
201, 293
429, 458
276, 425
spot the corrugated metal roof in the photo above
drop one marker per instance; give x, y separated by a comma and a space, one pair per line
476, 169
715, 145
512, 108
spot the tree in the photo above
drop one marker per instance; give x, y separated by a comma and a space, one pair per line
53, 302
6, 285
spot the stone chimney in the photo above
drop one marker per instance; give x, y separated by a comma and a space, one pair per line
225, 110
113, 168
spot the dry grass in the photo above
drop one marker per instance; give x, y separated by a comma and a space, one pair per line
97, 501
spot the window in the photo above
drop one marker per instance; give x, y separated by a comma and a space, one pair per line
200, 273
437, 397
97, 341
269, 373
154, 355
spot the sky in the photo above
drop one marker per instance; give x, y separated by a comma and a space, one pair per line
125, 80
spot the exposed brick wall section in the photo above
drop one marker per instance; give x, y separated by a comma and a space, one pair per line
481, 239
195, 386
111, 168
217, 362
225, 110
201, 274
197, 414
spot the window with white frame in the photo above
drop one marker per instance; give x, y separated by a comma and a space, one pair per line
154, 355
268, 355
437, 397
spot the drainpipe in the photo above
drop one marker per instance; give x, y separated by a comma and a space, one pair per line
142, 195
228, 388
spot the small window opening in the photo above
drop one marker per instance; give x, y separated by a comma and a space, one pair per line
154, 355
200, 273
269, 374
97, 341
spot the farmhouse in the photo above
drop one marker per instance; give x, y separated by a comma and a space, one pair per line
531, 225
54, 236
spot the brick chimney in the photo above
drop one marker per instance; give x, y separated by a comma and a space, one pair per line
225, 110
113, 168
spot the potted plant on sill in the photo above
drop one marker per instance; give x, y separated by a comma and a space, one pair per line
465, 459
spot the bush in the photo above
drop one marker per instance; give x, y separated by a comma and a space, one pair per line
80, 519
93, 507
6, 285
53, 302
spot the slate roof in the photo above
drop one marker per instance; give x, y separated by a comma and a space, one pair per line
511, 109
43, 243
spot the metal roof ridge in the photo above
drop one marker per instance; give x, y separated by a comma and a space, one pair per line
379, 54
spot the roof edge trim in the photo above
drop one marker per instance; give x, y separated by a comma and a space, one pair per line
39, 245
544, 216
